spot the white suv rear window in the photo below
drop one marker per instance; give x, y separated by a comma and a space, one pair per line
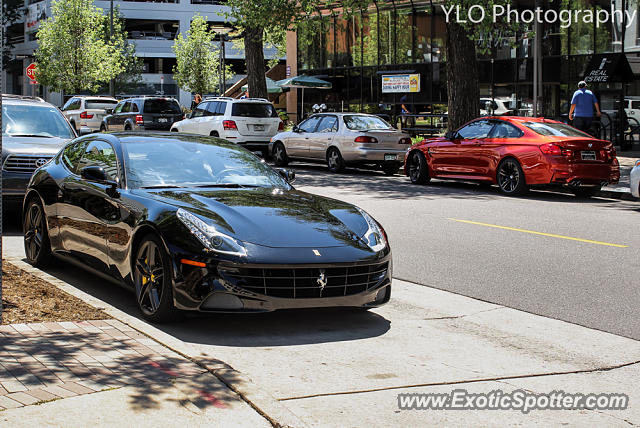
253, 110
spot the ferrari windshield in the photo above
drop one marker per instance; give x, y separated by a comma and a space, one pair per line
194, 162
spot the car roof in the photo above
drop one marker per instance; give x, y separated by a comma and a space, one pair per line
238, 100
22, 99
96, 97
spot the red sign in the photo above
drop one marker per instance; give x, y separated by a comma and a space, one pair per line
31, 72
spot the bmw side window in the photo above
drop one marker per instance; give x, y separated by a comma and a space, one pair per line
211, 109
72, 154
200, 109
68, 105
477, 129
222, 107
328, 124
100, 153
505, 130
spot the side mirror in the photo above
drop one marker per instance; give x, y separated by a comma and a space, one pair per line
287, 174
109, 111
98, 175
451, 135
295, 129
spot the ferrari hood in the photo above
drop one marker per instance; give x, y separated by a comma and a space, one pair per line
271, 217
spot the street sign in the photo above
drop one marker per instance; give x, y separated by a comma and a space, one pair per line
31, 73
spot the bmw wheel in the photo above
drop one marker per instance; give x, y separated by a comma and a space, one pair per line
153, 280
511, 178
36, 237
418, 168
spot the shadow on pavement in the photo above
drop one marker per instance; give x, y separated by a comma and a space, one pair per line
281, 328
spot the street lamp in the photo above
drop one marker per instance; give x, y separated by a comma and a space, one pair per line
222, 33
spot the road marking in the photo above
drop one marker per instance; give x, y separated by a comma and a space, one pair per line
589, 241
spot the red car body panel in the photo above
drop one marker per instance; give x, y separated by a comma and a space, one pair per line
469, 159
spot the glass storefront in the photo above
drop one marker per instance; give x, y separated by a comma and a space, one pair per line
354, 50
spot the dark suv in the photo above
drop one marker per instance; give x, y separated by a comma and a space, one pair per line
33, 131
138, 114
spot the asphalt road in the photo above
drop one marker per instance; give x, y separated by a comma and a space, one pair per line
453, 236
444, 235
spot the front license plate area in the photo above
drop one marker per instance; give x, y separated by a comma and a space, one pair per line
588, 155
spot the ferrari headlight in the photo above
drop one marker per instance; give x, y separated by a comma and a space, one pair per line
374, 237
210, 237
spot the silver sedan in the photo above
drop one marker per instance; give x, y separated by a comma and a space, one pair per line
342, 139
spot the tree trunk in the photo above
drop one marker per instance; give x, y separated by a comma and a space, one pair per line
463, 90
255, 63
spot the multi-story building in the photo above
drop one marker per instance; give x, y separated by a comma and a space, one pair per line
151, 25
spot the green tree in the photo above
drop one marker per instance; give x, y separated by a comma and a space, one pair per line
257, 17
74, 53
197, 66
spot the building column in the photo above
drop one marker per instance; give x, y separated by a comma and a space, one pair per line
292, 64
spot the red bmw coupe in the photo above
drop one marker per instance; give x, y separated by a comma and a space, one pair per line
516, 153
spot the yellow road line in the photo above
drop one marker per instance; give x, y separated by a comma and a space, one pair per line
589, 241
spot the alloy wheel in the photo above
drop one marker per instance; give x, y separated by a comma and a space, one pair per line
149, 277
414, 167
33, 235
510, 177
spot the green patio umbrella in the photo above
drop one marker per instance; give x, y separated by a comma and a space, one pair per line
272, 87
304, 82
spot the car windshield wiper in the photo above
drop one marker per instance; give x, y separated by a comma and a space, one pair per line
162, 186
30, 135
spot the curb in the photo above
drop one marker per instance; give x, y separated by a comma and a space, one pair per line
613, 194
261, 401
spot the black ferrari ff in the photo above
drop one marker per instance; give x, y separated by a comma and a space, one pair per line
199, 223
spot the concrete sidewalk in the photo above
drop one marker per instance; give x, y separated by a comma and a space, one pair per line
104, 373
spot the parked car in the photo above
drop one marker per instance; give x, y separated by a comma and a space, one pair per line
632, 107
517, 153
250, 122
495, 107
86, 113
342, 139
201, 224
635, 180
143, 113
33, 131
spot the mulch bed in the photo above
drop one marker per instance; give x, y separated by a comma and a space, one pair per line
27, 299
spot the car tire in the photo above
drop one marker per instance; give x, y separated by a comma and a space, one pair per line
154, 296
174, 129
334, 160
390, 169
510, 178
418, 168
214, 134
127, 127
586, 192
280, 157
37, 246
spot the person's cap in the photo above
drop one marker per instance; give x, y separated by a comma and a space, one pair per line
582, 84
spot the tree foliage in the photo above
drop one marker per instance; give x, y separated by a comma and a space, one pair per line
74, 52
197, 66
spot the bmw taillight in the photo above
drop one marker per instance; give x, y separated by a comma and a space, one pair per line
85, 115
365, 139
281, 126
229, 125
554, 150
139, 119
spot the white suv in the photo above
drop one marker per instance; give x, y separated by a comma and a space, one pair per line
249, 122
85, 113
